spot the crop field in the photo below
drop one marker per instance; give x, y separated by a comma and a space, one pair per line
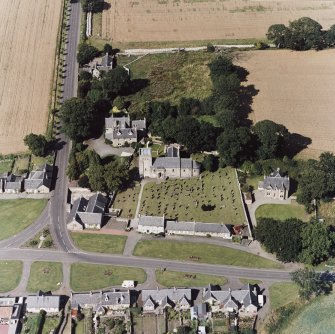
28, 34
295, 89
189, 20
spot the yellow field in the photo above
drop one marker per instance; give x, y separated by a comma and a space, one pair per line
185, 20
295, 89
28, 32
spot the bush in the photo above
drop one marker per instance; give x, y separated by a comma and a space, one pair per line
210, 47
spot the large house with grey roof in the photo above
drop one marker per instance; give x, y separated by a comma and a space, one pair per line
244, 301
12, 184
102, 302
275, 185
156, 301
170, 166
87, 213
42, 301
122, 130
95, 67
39, 181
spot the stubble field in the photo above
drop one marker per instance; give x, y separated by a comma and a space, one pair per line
189, 20
295, 89
28, 33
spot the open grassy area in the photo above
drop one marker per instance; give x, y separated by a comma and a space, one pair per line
181, 279
327, 212
282, 211
10, 275
21, 164
250, 281
183, 199
100, 243
171, 77
6, 165
18, 214
189, 251
45, 276
282, 294
86, 277
126, 200
35, 241
49, 325
315, 317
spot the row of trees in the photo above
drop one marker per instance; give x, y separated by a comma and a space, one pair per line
293, 240
302, 34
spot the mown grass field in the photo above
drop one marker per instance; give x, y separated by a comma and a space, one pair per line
10, 275
18, 214
188, 251
45, 276
282, 211
282, 294
86, 277
182, 279
99, 243
182, 199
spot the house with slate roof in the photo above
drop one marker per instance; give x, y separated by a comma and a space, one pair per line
198, 229
151, 224
172, 165
243, 302
39, 181
121, 130
156, 301
102, 302
95, 67
87, 213
42, 301
13, 184
275, 185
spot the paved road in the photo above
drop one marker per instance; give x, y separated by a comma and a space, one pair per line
58, 200
145, 263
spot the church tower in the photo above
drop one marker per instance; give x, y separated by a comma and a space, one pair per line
145, 162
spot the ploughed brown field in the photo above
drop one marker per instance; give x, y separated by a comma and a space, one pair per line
28, 33
187, 20
295, 89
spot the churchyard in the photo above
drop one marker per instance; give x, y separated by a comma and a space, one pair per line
212, 198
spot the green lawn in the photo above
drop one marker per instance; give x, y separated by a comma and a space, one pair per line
6, 165
183, 251
126, 200
21, 164
315, 317
37, 162
282, 211
86, 277
45, 276
18, 214
100, 243
10, 275
282, 294
50, 324
182, 199
175, 278
250, 281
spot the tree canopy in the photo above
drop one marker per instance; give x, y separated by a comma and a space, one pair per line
86, 53
116, 82
37, 144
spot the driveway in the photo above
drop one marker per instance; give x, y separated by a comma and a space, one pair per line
105, 150
260, 199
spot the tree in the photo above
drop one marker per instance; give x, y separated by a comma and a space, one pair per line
309, 283
227, 119
77, 116
271, 137
330, 36
94, 6
119, 102
220, 66
280, 237
85, 76
116, 82
108, 49
233, 145
86, 53
278, 34
37, 144
83, 88
210, 47
116, 175
97, 178
327, 166
226, 84
317, 242
210, 163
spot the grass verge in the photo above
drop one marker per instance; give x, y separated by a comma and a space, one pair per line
86, 277
181, 279
10, 275
45, 276
18, 214
100, 243
250, 281
205, 253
